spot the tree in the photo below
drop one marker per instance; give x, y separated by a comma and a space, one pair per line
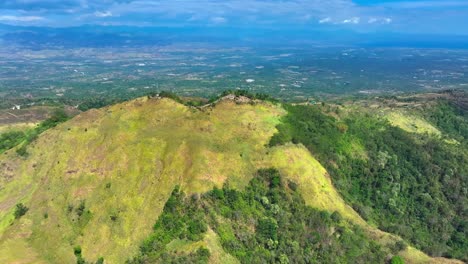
267, 228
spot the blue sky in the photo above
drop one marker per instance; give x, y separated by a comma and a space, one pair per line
416, 16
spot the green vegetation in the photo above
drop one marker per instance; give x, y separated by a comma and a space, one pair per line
286, 229
408, 184
268, 222
105, 178
397, 260
170, 95
250, 95
20, 210
79, 257
160, 144
14, 138
411, 123
450, 119
98, 102
10, 139
178, 221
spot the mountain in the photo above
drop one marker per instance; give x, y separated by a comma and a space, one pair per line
98, 36
235, 181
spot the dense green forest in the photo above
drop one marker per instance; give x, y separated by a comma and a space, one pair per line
268, 222
452, 120
408, 184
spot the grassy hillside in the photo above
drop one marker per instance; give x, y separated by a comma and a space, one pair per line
95, 185
121, 163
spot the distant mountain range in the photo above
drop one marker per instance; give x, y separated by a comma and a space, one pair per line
121, 36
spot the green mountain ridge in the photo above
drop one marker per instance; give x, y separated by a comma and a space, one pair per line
99, 182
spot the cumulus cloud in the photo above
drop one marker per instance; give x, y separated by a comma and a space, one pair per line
103, 14
384, 20
325, 20
353, 20
9, 18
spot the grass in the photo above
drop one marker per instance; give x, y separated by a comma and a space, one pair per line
218, 255
211, 241
124, 160
16, 127
297, 164
412, 123
143, 148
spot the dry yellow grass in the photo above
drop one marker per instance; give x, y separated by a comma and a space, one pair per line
142, 149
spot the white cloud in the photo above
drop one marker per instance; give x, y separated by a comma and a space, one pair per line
325, 20
372, 20
218, 20
302, 10
384, 20
20, 18
425, 4
103, 14
353, 20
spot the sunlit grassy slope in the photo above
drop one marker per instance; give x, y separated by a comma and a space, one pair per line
123, 161
411, 123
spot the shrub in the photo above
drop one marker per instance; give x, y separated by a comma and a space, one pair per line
397, 260
79, 257
336, 217
22, 151
170, 95
80, 209
20, 210
203, 253
77, 251
11, 139
267, 228
400, 246
218, 193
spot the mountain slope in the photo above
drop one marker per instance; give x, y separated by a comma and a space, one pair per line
101, 180
410, 183
124, 161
